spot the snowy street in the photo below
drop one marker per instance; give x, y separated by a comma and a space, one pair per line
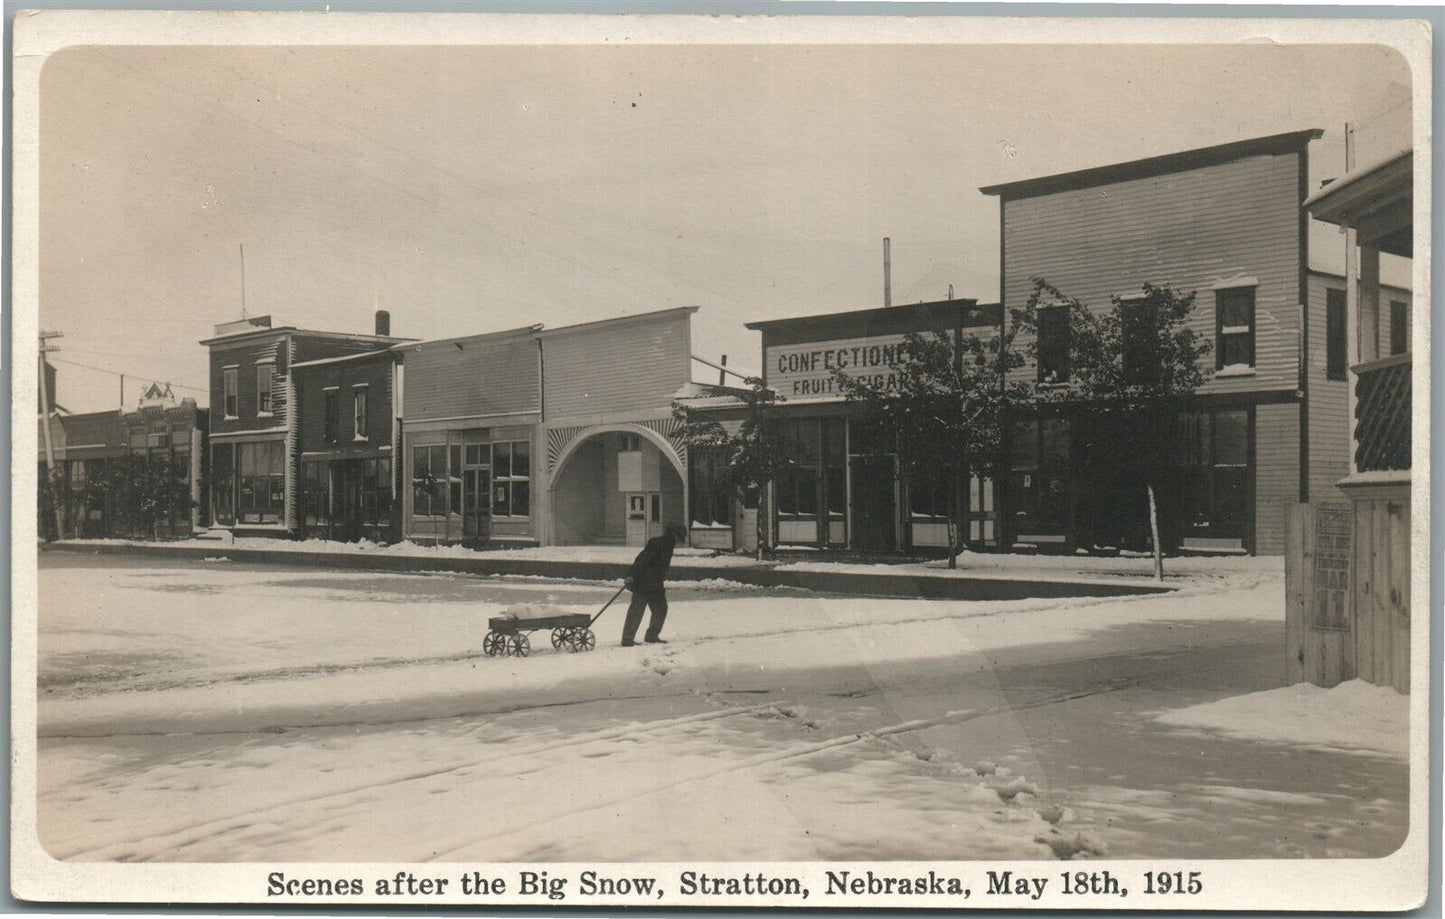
225, 711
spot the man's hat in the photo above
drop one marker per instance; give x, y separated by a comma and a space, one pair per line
678, 531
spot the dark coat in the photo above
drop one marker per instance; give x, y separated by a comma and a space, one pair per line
650, 567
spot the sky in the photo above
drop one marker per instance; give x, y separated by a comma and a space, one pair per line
469, 189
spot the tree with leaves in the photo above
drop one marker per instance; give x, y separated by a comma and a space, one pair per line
751, 456
140, 492
943, 402
1128, 373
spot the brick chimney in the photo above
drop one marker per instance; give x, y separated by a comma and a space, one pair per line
383, 323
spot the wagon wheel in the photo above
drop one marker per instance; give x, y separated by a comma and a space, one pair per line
494, 644
584, 640
518, 645
561, 637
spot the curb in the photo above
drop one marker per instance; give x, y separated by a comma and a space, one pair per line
851, 584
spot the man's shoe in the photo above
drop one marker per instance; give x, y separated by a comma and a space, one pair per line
629, 644
656, 641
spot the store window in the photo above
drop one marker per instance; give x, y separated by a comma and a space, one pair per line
1234, 327
358, 411
797, 486
262, 468
1336, 355
330, 414
1215, 471
264, 371
430, 478
928, 499
228, 392
511, 479
1053, 344
707, 490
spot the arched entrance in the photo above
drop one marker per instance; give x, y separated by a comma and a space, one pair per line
616, 485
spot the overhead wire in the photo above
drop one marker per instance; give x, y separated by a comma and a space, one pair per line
129, 376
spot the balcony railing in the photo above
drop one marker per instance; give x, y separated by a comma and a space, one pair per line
1382, 414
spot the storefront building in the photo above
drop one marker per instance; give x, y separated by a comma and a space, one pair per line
536, 436
844, 491
346, 431
471, 407
1265, 430
84, 446
254, 429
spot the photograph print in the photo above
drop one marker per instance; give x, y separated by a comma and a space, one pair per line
578, 461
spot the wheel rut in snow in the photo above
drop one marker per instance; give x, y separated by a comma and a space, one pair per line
210, 827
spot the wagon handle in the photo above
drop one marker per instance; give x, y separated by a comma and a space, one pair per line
605, 605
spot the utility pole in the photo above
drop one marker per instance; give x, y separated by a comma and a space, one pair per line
52, 480
722, 372
887, 272
1354, 326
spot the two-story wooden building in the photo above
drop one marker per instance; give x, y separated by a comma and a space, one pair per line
254, 441
1224, 222
348, 422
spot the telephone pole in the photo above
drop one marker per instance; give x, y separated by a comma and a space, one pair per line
52, 480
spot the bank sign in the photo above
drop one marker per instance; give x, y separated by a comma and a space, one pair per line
810, 370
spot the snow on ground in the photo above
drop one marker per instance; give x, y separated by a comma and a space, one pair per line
209, 711
409, 645
1356, 717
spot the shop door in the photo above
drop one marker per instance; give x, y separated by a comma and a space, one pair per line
873, 507
644, 516
351, 512
476, 503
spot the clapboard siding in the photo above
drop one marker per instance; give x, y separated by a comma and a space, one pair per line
471, 377
1188, 230
1276, 476
311, 383
616, 369
244, 356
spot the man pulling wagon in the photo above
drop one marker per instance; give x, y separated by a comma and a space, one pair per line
646, 581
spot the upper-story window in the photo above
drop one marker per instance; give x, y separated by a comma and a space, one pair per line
1399, 327
1140, 345
1336, 353
1053, 344
264, 369
229, 392
358, 410
331, 414
1234, 327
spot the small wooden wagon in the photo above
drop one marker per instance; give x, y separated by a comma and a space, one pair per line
508, 635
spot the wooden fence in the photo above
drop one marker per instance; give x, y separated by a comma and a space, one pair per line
1347, 587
